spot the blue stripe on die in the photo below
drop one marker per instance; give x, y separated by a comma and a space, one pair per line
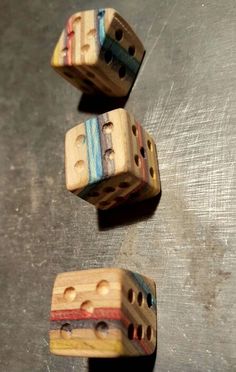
94, 150
94, 156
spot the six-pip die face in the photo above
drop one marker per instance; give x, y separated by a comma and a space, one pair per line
99, 51
103, 313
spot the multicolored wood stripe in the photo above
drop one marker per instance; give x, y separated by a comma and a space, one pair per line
115, 163
98, 313
98, 50
94, 155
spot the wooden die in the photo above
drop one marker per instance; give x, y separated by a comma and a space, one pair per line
98, 51
103, 313
110, 160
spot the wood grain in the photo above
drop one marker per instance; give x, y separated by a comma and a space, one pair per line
103, 313
110, 160
98, 50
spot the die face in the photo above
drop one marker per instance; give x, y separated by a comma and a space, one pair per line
120, 33
121, 52
98, 50
95, 151
143, 162
112, 192
86, 314
77, 44
140, 314
77, 47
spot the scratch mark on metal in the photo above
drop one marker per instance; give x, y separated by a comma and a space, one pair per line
167, 102
157, 38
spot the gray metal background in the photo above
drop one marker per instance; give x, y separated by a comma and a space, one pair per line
185, 96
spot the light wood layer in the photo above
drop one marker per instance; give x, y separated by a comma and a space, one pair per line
85, 340
86, 347
86, 288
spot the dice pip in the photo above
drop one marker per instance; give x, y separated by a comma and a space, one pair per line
111, 160
99, 51
103, 313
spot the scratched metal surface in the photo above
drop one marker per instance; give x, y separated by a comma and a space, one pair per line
185, 96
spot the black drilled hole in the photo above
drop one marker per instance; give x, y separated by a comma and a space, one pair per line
109, 189
122, 72
143, 152
131, 295
149, 333
66, 327
140, 332
131, 50
134, 130
108, 56
119, 34
137, 160
93, 194
101, 329
101, 13
124, 185
131, 331
149, 300
66, 331
152, 173
140, 298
